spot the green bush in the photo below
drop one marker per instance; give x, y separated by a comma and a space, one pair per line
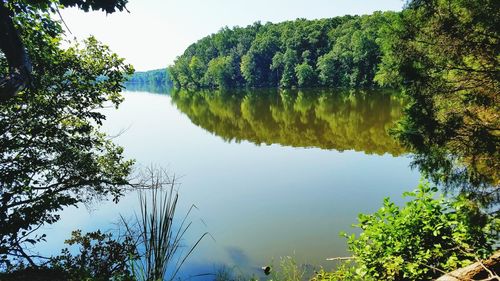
428, 235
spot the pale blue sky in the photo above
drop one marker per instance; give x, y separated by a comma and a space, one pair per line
155, 32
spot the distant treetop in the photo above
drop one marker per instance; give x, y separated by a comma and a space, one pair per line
336, 52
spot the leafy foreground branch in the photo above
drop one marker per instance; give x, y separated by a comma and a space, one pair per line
52, 154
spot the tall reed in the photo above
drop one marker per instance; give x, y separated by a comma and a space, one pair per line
159, 239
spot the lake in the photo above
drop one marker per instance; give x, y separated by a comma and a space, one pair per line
272, 173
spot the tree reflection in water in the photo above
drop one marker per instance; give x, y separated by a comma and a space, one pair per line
327, 119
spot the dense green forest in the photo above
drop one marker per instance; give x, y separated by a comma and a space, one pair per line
157, 77
336, 52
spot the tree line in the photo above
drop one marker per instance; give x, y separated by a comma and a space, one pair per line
336, 52
151, 77
155, 81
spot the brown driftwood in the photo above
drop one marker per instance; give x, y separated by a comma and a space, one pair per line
481, 270
340, 259
16, 55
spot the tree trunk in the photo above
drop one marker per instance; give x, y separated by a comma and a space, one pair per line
16, 55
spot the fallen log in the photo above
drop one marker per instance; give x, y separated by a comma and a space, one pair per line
480, 270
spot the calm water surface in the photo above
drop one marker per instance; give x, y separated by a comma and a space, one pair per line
272, 173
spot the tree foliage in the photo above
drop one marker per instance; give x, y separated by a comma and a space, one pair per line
100, 257
429, 235
220, 72
444, 55
341, 52
153, 77
156, 81
51, 152
17, 59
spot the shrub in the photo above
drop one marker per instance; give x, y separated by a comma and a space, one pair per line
428, 235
